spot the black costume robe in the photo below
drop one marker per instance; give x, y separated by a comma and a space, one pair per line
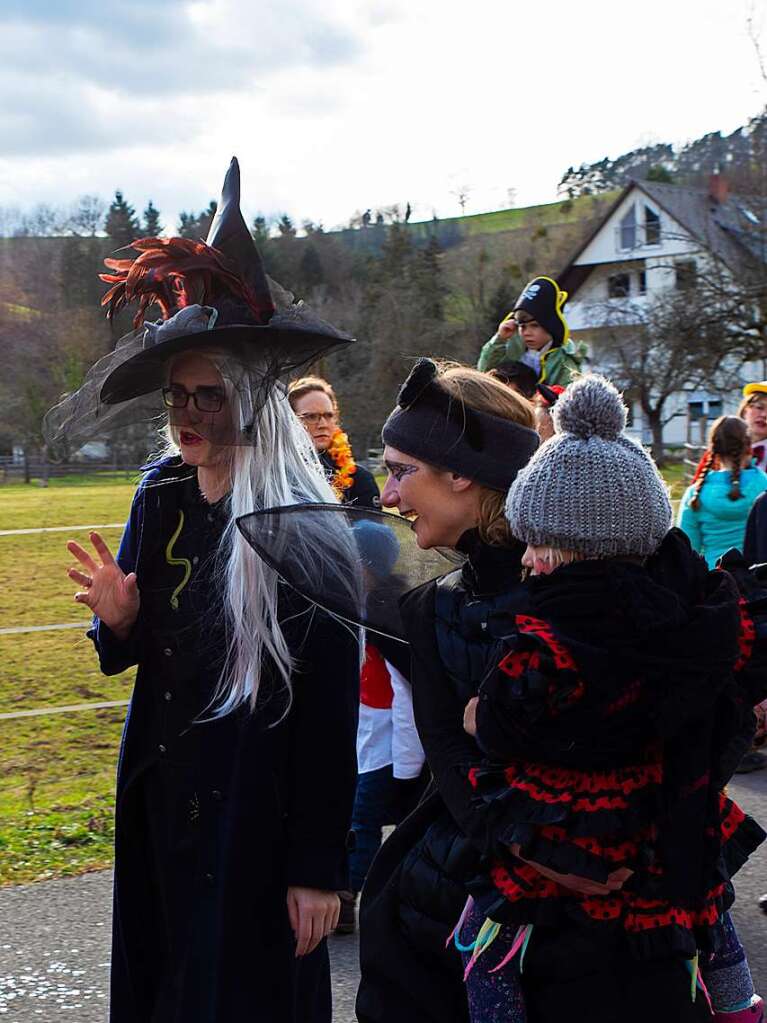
215, 819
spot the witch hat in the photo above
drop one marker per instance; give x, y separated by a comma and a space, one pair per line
212, 294
214, 297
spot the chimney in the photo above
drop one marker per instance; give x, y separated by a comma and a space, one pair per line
718, 188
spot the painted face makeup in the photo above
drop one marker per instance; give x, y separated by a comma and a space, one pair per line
426, 495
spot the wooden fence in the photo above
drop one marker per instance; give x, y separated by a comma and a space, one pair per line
13, 471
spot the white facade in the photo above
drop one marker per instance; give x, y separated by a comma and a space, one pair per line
639, 251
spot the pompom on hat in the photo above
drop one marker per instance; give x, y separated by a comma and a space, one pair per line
589, 489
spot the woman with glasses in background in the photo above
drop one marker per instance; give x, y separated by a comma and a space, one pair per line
314, 402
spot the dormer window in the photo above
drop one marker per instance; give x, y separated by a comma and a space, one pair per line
651, 227
628, 229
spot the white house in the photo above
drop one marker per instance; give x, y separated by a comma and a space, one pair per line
657, 237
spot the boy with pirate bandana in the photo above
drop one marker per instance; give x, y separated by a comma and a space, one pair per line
536, 334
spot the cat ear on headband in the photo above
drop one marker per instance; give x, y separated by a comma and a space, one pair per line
421, 386
421, 375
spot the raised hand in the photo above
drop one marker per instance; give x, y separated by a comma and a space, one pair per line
111, 595
507, 328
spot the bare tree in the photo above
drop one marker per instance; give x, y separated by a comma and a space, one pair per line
462, 193
676, 342
87, 215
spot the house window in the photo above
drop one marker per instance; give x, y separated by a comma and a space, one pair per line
686, 275
642, 282
618, 285
651, 227
628, 229
695, 409
714, 408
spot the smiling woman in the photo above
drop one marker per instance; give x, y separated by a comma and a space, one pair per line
453, 445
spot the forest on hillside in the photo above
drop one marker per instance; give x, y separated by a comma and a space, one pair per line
403, 289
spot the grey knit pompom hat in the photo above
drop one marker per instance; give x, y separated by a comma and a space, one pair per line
589, 489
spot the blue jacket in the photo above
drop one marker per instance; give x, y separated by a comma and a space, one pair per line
720, 523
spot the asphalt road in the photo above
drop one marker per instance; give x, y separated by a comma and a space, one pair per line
54, 939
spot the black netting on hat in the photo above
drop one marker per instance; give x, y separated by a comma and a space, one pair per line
124, 389
215, 299
354, 562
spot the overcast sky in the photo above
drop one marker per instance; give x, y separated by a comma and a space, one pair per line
333, 106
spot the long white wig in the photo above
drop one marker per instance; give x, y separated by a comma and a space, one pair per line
274, 464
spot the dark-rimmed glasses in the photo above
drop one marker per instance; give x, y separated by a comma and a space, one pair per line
206, 399
315, 418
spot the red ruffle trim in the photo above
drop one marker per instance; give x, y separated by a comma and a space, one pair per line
746, 636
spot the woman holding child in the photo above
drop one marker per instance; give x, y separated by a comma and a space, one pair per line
580, 727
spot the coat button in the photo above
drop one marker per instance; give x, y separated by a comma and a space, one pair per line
195, 560
162, 749
168, 696
168, 652
215, 794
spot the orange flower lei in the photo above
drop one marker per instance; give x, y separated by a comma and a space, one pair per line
340, 451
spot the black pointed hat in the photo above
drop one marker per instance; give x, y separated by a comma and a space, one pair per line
213, 295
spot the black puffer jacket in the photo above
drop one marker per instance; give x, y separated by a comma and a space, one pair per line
416, 890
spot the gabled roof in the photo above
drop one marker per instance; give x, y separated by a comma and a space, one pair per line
734, 231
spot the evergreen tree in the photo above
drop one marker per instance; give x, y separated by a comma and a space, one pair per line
152, 226
260, 232
310, 269
197, 225
121, 225
431, 287
285, 226
206, 218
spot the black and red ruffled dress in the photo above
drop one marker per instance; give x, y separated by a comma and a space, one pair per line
611, 724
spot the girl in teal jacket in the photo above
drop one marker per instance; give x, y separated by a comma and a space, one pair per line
715, 507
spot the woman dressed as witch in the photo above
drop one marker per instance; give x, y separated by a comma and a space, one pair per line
237, 769
579, 726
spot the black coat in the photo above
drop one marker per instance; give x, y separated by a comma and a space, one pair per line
364, 490
215, 820
416, 888
418, 884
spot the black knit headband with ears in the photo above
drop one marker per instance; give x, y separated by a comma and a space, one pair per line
433, 426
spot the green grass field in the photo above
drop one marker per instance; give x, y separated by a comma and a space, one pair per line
57, 771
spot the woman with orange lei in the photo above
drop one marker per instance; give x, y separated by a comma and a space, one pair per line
314, 402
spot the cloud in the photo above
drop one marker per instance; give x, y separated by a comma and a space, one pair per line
73, 79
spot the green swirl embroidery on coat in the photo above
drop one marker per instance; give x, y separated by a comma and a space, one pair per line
178, 561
